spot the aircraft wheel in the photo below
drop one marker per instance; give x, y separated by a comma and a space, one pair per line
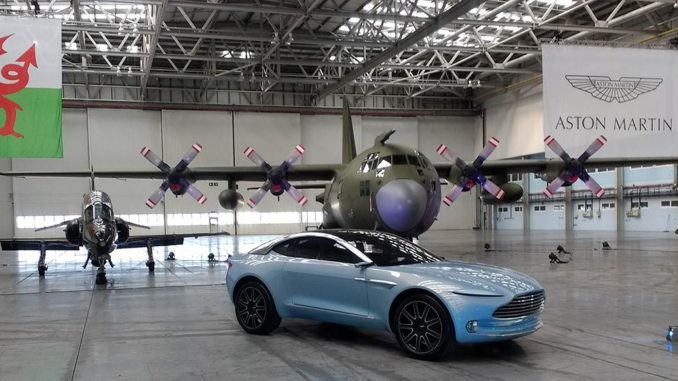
255, 309
101, 279
423, 327
41, 271
151, 266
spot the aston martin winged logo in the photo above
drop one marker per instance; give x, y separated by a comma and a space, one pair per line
623, 89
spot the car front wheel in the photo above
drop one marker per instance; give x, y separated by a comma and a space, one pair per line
423, 327
255, 310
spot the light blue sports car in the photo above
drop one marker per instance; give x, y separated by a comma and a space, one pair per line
379, 281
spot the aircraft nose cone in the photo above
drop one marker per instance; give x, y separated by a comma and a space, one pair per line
401, 204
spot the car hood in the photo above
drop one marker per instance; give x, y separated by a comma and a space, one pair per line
468, 278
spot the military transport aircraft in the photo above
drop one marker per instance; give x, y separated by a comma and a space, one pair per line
386, 187
100, 232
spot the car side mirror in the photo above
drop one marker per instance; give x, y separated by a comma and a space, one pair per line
363, 264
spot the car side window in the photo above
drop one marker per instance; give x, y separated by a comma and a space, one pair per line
335, 252
285, 248
308, 248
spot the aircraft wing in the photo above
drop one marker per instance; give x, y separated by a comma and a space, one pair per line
162, 240
497, 167
250, 173
36, 244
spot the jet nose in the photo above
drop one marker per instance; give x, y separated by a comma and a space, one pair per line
401, 204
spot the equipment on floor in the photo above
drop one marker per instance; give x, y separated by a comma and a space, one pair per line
554, 258
606, 246
170, 256
670, 333
210, 257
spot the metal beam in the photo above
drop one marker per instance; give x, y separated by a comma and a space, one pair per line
459, 9
152, 44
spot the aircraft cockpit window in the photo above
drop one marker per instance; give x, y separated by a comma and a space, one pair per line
89, 213
399, 159
413, 160
385, 162
369, 163
424, 161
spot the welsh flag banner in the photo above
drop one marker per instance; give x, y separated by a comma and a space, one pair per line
30, 87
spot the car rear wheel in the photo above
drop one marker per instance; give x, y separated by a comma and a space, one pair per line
255, 310
423, 327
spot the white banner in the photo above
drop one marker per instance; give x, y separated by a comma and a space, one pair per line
627, 95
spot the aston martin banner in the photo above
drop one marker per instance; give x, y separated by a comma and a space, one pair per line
627, 95
30, 87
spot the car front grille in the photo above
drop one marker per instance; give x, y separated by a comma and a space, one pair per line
520, 306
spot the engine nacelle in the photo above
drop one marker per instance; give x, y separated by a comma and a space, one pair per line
512, 193
73, 233
230, 199
123, 230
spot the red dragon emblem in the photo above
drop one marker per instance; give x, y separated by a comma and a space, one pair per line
14, 79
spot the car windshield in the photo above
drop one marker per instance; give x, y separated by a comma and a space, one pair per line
386, 249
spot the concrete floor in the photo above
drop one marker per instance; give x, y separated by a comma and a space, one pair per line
605, 318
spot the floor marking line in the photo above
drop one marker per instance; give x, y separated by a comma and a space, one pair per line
82, 336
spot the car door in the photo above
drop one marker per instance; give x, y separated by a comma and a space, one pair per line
324, 278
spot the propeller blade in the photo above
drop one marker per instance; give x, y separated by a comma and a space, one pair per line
256, 159
593, 148
254, 200
493, 189
487, 150
296, 154
196, 194
553, 187
155, 160
450, 197
294, 192
445, 152
192, 153
157, 195
556, 148
595, 188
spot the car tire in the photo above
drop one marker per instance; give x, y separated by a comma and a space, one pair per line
255, 309
423, 327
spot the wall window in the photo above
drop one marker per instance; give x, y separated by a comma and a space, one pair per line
540, 208
669, 204
503, 209
518, 208
643, 204
558, 208
607, 205
515, 177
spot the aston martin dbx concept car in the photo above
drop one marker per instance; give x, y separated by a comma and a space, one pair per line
380, 281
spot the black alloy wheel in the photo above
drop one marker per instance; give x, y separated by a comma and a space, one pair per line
423, 327
255, 310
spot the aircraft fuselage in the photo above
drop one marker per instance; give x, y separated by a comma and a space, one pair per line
387, 187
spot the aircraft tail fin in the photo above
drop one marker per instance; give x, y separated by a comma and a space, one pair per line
347, 138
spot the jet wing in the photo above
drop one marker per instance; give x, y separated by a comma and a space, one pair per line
497, 167
162, 240
36, 244
296, 173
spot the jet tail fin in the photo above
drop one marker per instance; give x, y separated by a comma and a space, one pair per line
347, 139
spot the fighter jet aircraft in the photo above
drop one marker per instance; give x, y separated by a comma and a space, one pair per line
386, 187
100, 232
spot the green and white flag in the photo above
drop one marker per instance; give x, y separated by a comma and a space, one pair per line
30, 87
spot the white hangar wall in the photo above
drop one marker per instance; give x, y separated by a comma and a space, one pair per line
111, 139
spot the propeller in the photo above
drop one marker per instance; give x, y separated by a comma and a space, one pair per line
574, 168
178, 179
471, 174
276, 178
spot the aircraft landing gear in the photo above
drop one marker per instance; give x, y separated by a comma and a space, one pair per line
101, 276
150, 263
42, 267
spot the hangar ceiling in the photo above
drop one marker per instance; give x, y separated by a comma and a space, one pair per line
417, 54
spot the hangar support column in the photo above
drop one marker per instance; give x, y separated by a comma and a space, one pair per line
620, 198
526, 201
6, 202
569, 215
